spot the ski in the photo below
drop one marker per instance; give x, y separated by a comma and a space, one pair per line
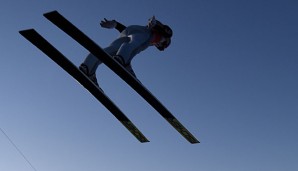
65, 25
41, 43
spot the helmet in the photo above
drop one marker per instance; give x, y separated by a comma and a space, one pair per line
156, 25
164, 30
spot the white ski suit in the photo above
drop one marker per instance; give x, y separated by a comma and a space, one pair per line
133, 39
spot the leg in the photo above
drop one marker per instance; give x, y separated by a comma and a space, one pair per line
92, 62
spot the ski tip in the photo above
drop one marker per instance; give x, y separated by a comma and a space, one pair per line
51, 13
25, 31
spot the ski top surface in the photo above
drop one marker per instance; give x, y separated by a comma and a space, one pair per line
36, 39
65, 25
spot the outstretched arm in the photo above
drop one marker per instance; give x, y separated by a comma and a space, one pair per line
112, 24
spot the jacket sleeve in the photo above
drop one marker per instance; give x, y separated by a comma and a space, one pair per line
120, 27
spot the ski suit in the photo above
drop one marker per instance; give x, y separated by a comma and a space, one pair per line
132, 40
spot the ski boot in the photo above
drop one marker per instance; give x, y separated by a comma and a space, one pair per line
91, 76
128, 67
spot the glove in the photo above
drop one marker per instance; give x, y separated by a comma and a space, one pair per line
108, 23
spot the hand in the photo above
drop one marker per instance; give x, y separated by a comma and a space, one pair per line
108, 23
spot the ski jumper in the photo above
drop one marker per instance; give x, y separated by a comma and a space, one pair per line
132, 40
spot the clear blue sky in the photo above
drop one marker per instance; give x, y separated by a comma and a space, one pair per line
230, 76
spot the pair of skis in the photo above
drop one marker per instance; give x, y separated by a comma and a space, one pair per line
36, 39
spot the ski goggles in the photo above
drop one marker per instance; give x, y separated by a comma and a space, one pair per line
163, 44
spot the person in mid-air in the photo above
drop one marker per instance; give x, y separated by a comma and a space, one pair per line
133, 39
